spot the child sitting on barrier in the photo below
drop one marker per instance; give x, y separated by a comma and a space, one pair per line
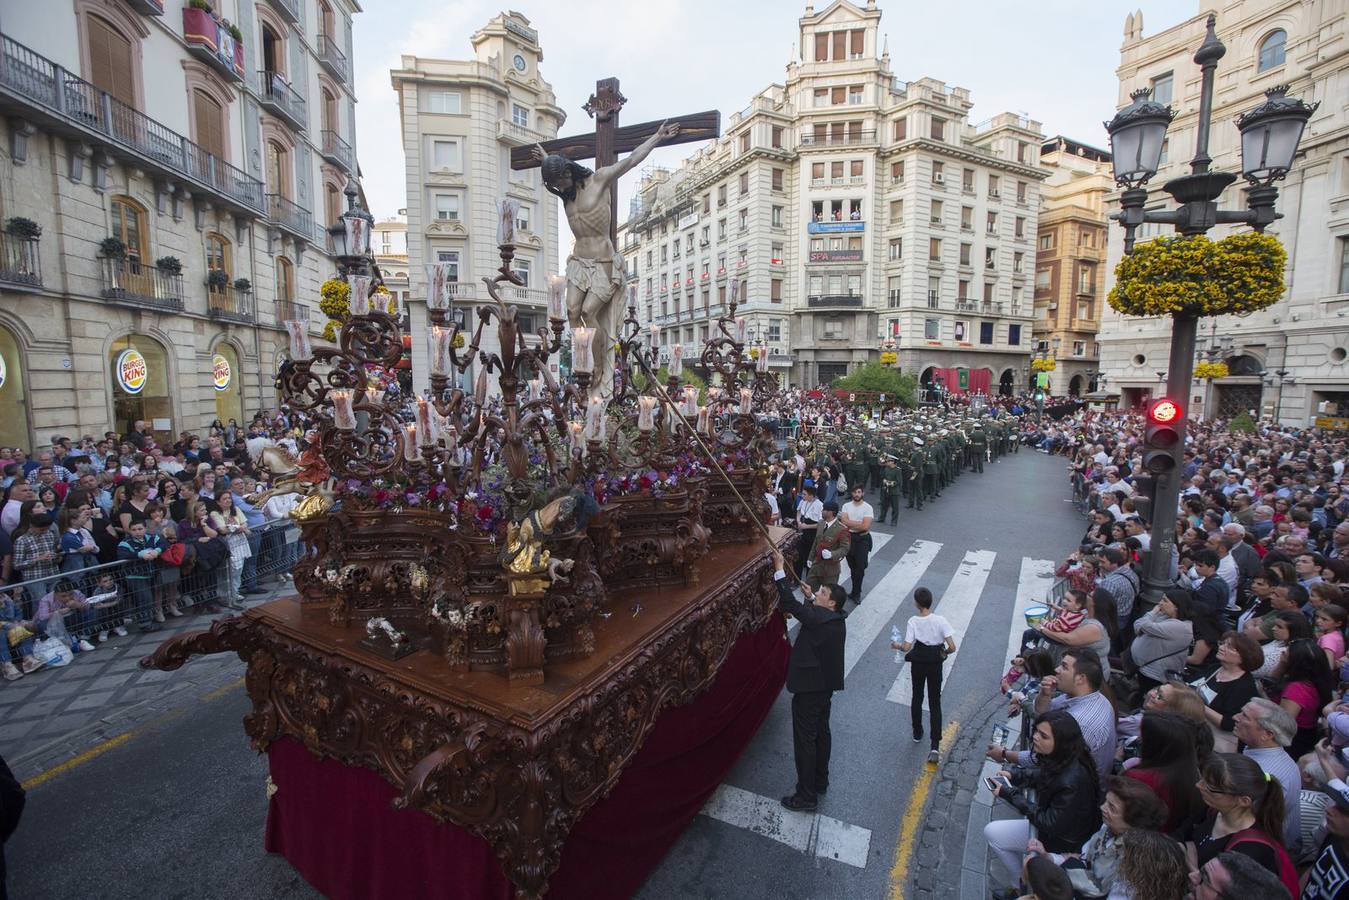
16, 638
1070, 613
106, 601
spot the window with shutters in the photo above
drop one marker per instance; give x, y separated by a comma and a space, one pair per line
273, 53
744, 141
328, 108
332, 203
856, 39
822, 47
111, 60
855, 171
901, 129
285, 280
777, 180
938, 129
840, 45
744, 183
209, 118
128, 226
217, 260
278, 169
775, 290
837, 96
776, 140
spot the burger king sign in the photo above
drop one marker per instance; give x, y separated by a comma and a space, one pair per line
131, 371
220, 372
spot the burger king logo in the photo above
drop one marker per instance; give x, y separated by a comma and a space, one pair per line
131, 371
220, 372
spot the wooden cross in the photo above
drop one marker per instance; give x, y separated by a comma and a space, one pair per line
608, 140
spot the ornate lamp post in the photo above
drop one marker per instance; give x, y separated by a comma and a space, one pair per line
351, 236
1269, 139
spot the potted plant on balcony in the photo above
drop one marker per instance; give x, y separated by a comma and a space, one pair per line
216, 279
169, 265
112, 248
243, 285
26, 229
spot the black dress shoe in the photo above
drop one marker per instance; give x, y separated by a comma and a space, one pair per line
822, 790
799, 804
253, 590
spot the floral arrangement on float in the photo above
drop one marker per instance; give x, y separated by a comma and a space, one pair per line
1196, 276
1208, 371
1043, 365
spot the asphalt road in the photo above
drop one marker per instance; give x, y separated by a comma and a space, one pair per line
177, 809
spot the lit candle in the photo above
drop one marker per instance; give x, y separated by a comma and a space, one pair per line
299, 341
575, 430
480, 388
741, 327
343, 416
557, 292
509, 209
375, 397
655, 335
735, 291
411, 451
582, 359
705, 420
535, 388
425, 423
451, 438
358, 294
676, 360
646, 409
763, 358
690, 401
438, 286
746, 397
442, 342
595, 428
714, 393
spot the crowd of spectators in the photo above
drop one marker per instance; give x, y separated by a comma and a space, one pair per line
100, 535
1198, 745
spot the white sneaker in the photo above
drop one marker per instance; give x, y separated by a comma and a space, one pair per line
119, 631
159, 617
85, 646
102, 636
10, 672
30, 664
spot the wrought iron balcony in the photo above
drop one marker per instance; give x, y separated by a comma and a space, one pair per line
332, 59
211, 41
20, 264
289, 9
279, 97
134, 283
291, 216
230, 304
337, 151
847, 301
290, 311
39, 90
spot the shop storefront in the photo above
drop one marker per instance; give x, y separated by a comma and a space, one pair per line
13, 406
139, 370
227, 380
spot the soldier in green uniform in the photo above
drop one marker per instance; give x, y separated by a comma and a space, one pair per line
855, 470
931, 473
978, 446
875, 458
937, 452
917, 462
891, 490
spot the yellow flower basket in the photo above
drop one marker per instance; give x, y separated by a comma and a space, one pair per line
1207, 371
1194, 276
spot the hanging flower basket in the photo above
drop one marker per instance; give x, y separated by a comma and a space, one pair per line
1043, 365
1194, 276
1207, 371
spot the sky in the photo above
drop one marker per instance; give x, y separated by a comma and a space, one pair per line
1053, 60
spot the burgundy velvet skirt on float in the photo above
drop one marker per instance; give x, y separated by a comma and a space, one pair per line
337, 825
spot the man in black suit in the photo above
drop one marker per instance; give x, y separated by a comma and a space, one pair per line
813, 674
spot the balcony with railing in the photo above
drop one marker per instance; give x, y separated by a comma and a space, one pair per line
511, 132
513, 294
837, 139
332, 58
841, 301
131, 282
289, 10
46, 93
337, 151
290, 216
230, 304
279, 98
210, 40
290, 311
20, 264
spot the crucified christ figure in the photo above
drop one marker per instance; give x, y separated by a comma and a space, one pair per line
595, 271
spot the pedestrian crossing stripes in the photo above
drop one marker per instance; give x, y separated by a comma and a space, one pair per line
957, 607
882, 602
845, 574
820, 836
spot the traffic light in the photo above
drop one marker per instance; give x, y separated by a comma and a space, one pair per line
1161, 435
1145, 491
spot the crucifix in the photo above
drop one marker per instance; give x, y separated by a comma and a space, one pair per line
595, 271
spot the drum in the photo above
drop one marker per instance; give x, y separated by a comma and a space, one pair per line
1035, 615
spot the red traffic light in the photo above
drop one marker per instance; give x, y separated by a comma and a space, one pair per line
1163, 411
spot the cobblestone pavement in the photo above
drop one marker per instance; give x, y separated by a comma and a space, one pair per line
51, 716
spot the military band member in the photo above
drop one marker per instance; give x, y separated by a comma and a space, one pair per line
831, 547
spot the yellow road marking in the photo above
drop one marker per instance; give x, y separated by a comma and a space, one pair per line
908, 830
116, 741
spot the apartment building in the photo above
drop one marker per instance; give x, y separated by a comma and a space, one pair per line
460, 119
854, 210
1292, 359
389, 244
1070, 263
167, 173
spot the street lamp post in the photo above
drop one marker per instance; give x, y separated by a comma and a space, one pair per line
1269, 138
1280, 379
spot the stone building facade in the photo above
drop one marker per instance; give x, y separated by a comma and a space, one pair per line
1292, 359
460, 120
1070, 263
214, 148
855, 209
